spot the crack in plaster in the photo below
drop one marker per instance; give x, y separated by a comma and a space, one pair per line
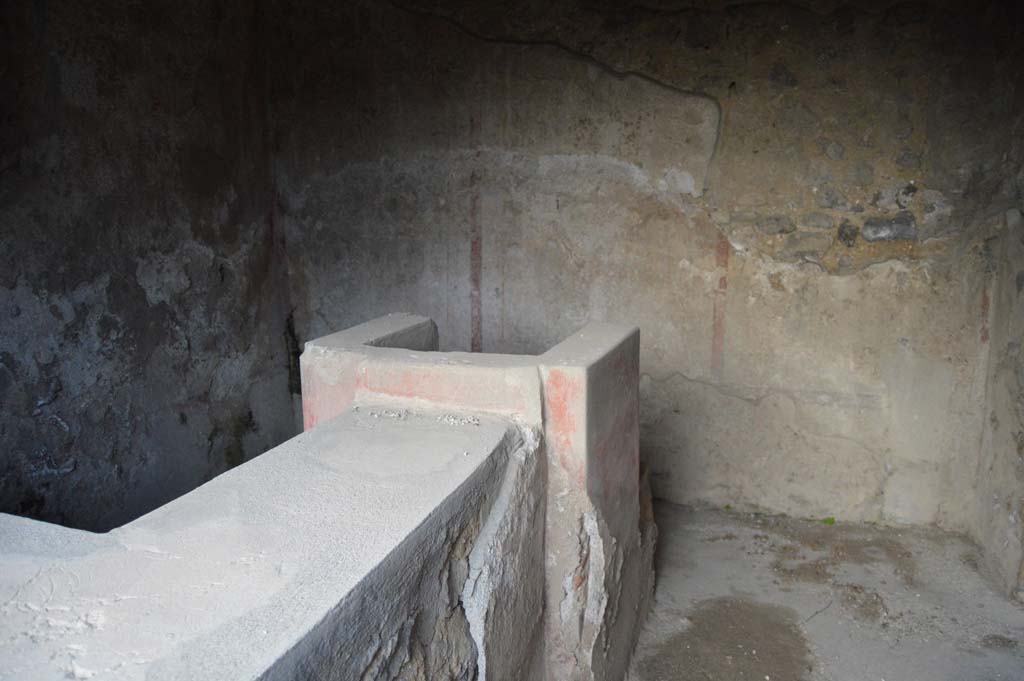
589, 59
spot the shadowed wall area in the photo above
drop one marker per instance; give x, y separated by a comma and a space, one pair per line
143, 345
807, 208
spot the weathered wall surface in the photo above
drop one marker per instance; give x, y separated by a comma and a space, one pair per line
141, 299
999, 495
799, 231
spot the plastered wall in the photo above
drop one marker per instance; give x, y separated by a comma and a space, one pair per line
792, 202
795, 202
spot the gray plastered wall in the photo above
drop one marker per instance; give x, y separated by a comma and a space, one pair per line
804, 238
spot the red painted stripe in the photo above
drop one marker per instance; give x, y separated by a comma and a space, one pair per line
722, 250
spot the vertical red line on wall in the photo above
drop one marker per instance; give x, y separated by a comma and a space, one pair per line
722, 250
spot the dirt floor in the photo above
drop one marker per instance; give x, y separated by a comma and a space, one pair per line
745, 597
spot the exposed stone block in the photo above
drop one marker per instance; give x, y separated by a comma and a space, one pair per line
776, 224
901, 227
848, 233
804, 246
817, 220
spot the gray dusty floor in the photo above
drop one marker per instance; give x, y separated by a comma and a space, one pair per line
762, 598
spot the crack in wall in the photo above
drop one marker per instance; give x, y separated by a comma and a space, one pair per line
585, 57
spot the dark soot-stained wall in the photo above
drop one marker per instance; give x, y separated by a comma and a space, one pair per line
143, 345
